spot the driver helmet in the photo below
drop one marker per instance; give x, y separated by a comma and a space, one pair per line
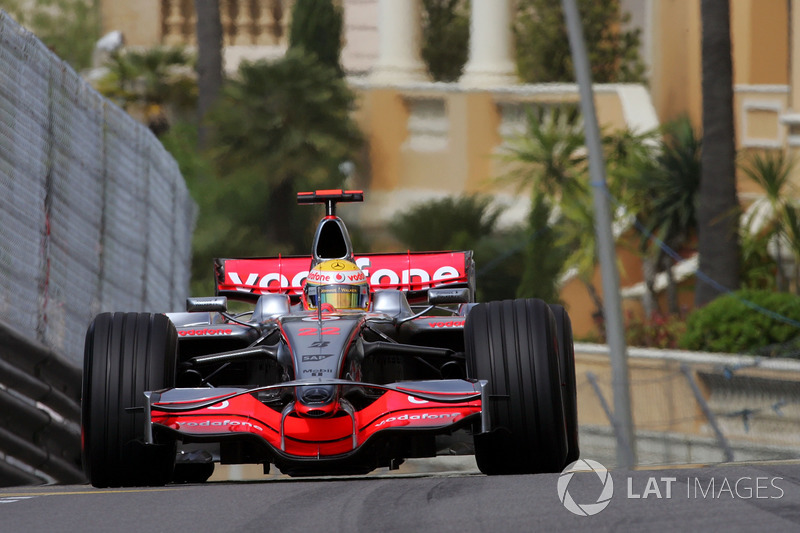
339, 283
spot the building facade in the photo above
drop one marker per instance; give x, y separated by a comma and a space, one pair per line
428, 140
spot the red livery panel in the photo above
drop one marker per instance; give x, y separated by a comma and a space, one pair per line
411, 271
315, 437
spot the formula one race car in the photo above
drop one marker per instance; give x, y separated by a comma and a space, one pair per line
346, 363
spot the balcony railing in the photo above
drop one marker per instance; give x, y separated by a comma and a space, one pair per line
244, 22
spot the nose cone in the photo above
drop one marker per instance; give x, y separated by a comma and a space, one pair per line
316, 401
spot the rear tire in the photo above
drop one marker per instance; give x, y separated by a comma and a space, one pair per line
512, 345
125, 354
569, 389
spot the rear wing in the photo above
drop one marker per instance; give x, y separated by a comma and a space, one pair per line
412, 272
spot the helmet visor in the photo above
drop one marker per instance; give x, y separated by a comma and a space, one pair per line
340, 296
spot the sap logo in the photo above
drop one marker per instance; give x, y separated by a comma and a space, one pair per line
312, 358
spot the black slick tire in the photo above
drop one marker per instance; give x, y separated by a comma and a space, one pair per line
125, 355
569, 389
512, 345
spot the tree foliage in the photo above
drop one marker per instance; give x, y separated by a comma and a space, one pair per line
549, 156
316, 27
549, 160
543, 260
774, 218
279, 128
458, 220
70, 28
760, 322
666, 188
466, 223
663, 194
542, 45
445, 38
157, 82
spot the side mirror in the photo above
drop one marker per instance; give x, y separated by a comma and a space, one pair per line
448, 296
208, 304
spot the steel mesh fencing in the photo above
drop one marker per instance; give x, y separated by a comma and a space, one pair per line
692, 407
94, 216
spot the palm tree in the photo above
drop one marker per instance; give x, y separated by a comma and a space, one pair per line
550, 156
209, 61
550, 159
792, 232
664, 192
718, 207
457, 221
470, 222
151, 80
544, 258
281, 127
316, 27
577, 234
772, 172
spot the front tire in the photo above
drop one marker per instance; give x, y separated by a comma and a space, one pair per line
125, 355
569, 388
513, 345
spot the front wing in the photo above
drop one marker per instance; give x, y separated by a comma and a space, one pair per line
217, 414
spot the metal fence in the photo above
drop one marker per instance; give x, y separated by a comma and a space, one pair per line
691, 407
94, 216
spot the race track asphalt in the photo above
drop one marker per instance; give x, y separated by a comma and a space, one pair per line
737, 497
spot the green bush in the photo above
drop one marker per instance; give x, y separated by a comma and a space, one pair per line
737, 323
445, 38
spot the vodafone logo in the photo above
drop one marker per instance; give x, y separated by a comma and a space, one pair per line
271, 275
423, 416
204, 332
316, 275
358, 276
339, 277
449, 324
232, 425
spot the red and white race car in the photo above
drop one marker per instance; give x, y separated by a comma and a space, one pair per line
346, 363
